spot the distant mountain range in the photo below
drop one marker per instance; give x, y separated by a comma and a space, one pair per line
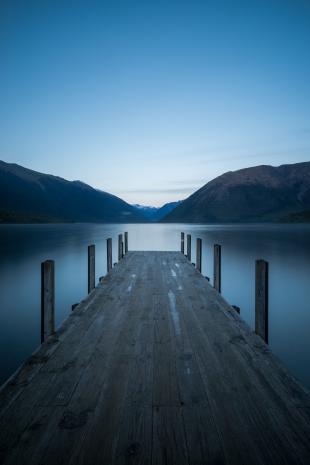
28, 196
260, 194
156, 214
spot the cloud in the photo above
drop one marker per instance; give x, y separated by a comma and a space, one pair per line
184, 190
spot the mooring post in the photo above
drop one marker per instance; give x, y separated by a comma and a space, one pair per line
198, 254
217, 267
91, 268
120, 242
261, 299
126, 242
47, 299
189, 247
182, 242
109, 254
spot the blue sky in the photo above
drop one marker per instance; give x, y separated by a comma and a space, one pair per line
150, 100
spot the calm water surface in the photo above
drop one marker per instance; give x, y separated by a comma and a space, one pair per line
286, 247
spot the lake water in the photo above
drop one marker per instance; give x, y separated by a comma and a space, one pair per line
286, 247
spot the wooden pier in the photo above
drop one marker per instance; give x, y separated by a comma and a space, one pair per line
154, 367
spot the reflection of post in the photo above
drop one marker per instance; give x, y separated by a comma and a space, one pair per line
261, 299
47, 299
91, 268
109, 255
189, 247
120, 242
126, 243
198, 254
182, 242
217, 267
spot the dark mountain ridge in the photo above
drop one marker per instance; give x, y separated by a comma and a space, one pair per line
155, 214
30, 196
259, 194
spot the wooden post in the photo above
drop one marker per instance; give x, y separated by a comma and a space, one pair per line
217, 267
198, 254
120, 242
189, 247
109, 254
126, 242
182, 242
122, 249
91, 268
261, 299
47, 299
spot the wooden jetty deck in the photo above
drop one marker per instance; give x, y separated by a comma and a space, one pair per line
154, 367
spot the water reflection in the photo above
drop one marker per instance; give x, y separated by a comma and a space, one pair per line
286, 247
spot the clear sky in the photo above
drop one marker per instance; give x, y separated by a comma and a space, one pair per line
150, 100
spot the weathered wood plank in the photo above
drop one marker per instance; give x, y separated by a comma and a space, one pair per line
154, 367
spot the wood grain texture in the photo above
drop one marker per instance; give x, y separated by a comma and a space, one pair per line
154, 367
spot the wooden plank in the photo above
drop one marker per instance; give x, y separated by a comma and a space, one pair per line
261, 299
109, 255
217, 267
91, 268
154, 367
169, 439
47, 299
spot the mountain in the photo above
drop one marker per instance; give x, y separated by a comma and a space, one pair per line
29, 196
259, 194
154, 213
147, 211
165, 209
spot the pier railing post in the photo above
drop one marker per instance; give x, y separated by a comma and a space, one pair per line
47, 299
182, 242
198, 254
189, 247
109, 254
120, 246
217, 267
91, 268
126, 242
261, 299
